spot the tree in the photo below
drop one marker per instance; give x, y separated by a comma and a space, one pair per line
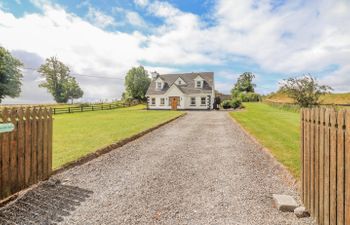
304, 90
10, 75
58, 81
73, 89
244, 88
244, 84
137, 82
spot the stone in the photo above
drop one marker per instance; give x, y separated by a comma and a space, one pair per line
285, 203
301, 212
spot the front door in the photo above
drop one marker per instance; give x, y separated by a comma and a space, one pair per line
174, 102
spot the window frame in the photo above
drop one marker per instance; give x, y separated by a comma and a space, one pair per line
159, 85
162, 101
153, 101
200, 84
193, 103
205, 101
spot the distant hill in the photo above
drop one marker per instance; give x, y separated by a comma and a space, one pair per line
334, 98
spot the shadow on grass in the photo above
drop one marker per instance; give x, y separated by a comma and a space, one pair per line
46, 204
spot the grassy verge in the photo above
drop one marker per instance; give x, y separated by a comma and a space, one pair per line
333, 98
276, 129
78, 134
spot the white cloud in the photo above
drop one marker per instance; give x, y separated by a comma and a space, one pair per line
100, 19
296, 38
85, 48
141, 3
135, 19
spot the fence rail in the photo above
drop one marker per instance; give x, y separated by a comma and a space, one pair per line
326, 164
73, 109
25, 152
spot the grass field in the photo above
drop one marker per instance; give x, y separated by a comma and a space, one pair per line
334, 98
78, 134
276, 129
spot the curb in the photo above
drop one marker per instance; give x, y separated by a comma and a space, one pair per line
109, 148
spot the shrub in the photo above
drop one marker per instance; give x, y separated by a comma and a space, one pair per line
236, 103
249, 97
226, 104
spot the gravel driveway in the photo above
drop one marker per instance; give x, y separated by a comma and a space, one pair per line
200, 169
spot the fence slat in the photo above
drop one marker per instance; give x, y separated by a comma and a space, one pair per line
34, 147
333, 169
317, 168
50, 135
340, 169
347, 169
320, 218
312, 161
20, 146
13, 152
326, 166
302, 135
28, 147
40, 145
306, 162
44, 129
5, 164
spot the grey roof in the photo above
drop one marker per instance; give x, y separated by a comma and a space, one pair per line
188, 88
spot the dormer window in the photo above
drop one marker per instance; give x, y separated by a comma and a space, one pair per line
180, 81
159, 85
198, 84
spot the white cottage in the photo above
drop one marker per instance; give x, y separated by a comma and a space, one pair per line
182, 91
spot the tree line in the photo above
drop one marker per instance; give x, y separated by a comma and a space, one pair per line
305, 90
59, 83
57, 79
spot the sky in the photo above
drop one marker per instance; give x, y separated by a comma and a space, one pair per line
100, 40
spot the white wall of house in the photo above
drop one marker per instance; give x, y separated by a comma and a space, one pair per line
185, 101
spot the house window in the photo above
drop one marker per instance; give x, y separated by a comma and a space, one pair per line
193, 101
179, 82
159, 85
153, 101
162, 101
202, 100
199, 84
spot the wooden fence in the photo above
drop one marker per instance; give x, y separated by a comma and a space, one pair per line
326, 164
96, 107
26, 152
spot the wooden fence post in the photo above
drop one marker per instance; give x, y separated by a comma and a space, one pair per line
347, 168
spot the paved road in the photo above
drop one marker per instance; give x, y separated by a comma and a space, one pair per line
200, 169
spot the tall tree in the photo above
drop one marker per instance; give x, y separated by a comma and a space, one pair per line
137, 82
10, 75
306, 91
58, 81
73, 89
245, 83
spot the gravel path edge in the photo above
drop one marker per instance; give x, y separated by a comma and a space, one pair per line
284, 172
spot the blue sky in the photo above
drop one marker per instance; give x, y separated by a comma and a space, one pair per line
104, 38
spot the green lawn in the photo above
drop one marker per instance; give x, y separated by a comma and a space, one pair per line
77, 134
276, 129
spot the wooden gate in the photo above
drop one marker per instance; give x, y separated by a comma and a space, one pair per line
326, 164
26, 152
